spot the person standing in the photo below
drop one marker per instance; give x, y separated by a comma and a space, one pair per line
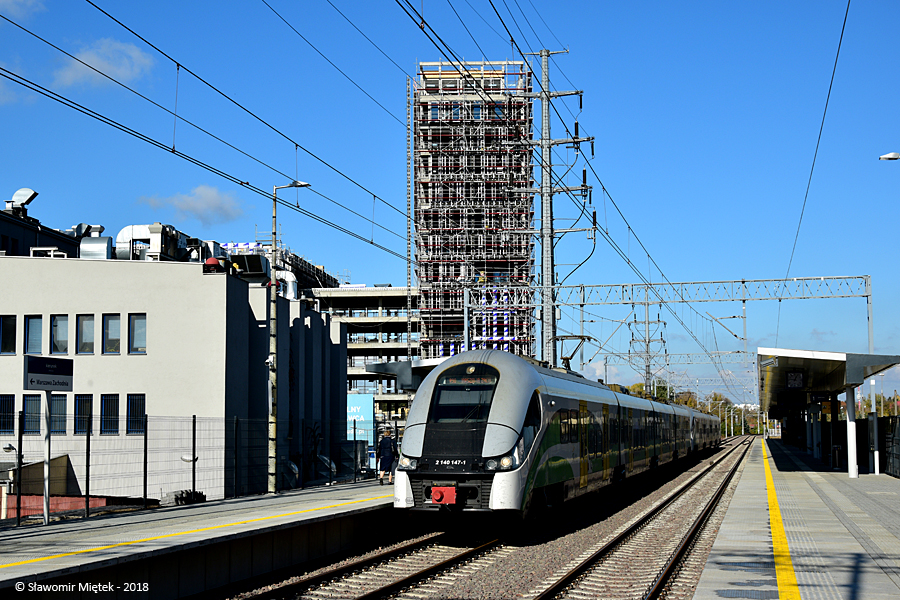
387, 452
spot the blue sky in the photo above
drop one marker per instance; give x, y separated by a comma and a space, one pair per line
705, 115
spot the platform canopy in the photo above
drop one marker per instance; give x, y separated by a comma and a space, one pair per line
790, 374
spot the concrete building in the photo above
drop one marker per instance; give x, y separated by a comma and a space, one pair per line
378, 331
472, 162
173, 340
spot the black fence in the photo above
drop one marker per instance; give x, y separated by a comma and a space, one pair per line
139, 461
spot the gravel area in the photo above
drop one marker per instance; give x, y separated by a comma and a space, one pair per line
549, 542
684, 583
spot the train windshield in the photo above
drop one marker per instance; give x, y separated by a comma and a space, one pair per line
463, 394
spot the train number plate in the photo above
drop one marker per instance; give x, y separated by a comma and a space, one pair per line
450, 462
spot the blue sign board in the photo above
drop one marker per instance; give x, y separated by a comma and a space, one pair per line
360, 411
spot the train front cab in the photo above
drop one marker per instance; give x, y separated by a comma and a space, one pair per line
471, 424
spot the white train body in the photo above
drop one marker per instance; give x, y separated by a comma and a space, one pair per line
488, 430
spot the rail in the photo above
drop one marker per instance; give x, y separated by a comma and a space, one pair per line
591, 561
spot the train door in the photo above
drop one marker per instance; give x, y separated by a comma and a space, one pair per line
628, 427
692, 442
584, 422
605, 430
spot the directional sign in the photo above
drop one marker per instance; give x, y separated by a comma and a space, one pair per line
48, 374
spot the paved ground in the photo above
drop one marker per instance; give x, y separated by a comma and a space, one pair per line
843, 534
66, 546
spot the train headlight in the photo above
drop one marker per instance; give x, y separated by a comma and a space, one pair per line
407, 464
504, 463
513, 460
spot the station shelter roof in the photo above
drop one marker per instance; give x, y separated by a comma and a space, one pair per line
788, 377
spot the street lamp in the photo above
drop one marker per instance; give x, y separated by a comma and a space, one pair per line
273, 342
890, 156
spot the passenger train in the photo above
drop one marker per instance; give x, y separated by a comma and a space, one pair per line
491, 431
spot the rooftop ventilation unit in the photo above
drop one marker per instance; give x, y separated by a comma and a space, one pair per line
19, 201
96, 248
252, 267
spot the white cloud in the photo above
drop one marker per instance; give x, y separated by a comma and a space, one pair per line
18, 9
595, 371
205, 203
121, 61
7, 95
821, 336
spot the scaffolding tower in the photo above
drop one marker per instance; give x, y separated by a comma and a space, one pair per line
471, 128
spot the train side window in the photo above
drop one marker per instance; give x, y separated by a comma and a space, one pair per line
532, 422
592, 434
574, 428
563, 426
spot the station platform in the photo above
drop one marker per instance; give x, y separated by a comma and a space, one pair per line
178, 551
796, 529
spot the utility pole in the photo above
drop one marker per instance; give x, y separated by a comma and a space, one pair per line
548, 270
271, 361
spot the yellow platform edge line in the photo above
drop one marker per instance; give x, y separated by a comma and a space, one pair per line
169, 535
784, 566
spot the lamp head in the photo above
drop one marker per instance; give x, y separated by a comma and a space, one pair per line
9, 448
890, 156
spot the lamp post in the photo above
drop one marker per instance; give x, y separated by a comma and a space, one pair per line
273, 344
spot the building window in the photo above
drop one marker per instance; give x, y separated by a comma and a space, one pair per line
59, 334
111, 335
109, 414
134, 418
32, 404
33, 334
83, 411
435, 111
58, 413
137, 334
84, 334
476, 111
8, 334
7, 413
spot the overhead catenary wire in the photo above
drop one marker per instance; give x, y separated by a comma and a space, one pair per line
328, 60
247, 110
177, 118
527, 22
606, 235
423, 24
630, 263
24, 82
457, 60
368, 39
463, 23
561, 45
813, 167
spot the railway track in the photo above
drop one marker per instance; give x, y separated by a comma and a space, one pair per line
384, 574
638, 562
